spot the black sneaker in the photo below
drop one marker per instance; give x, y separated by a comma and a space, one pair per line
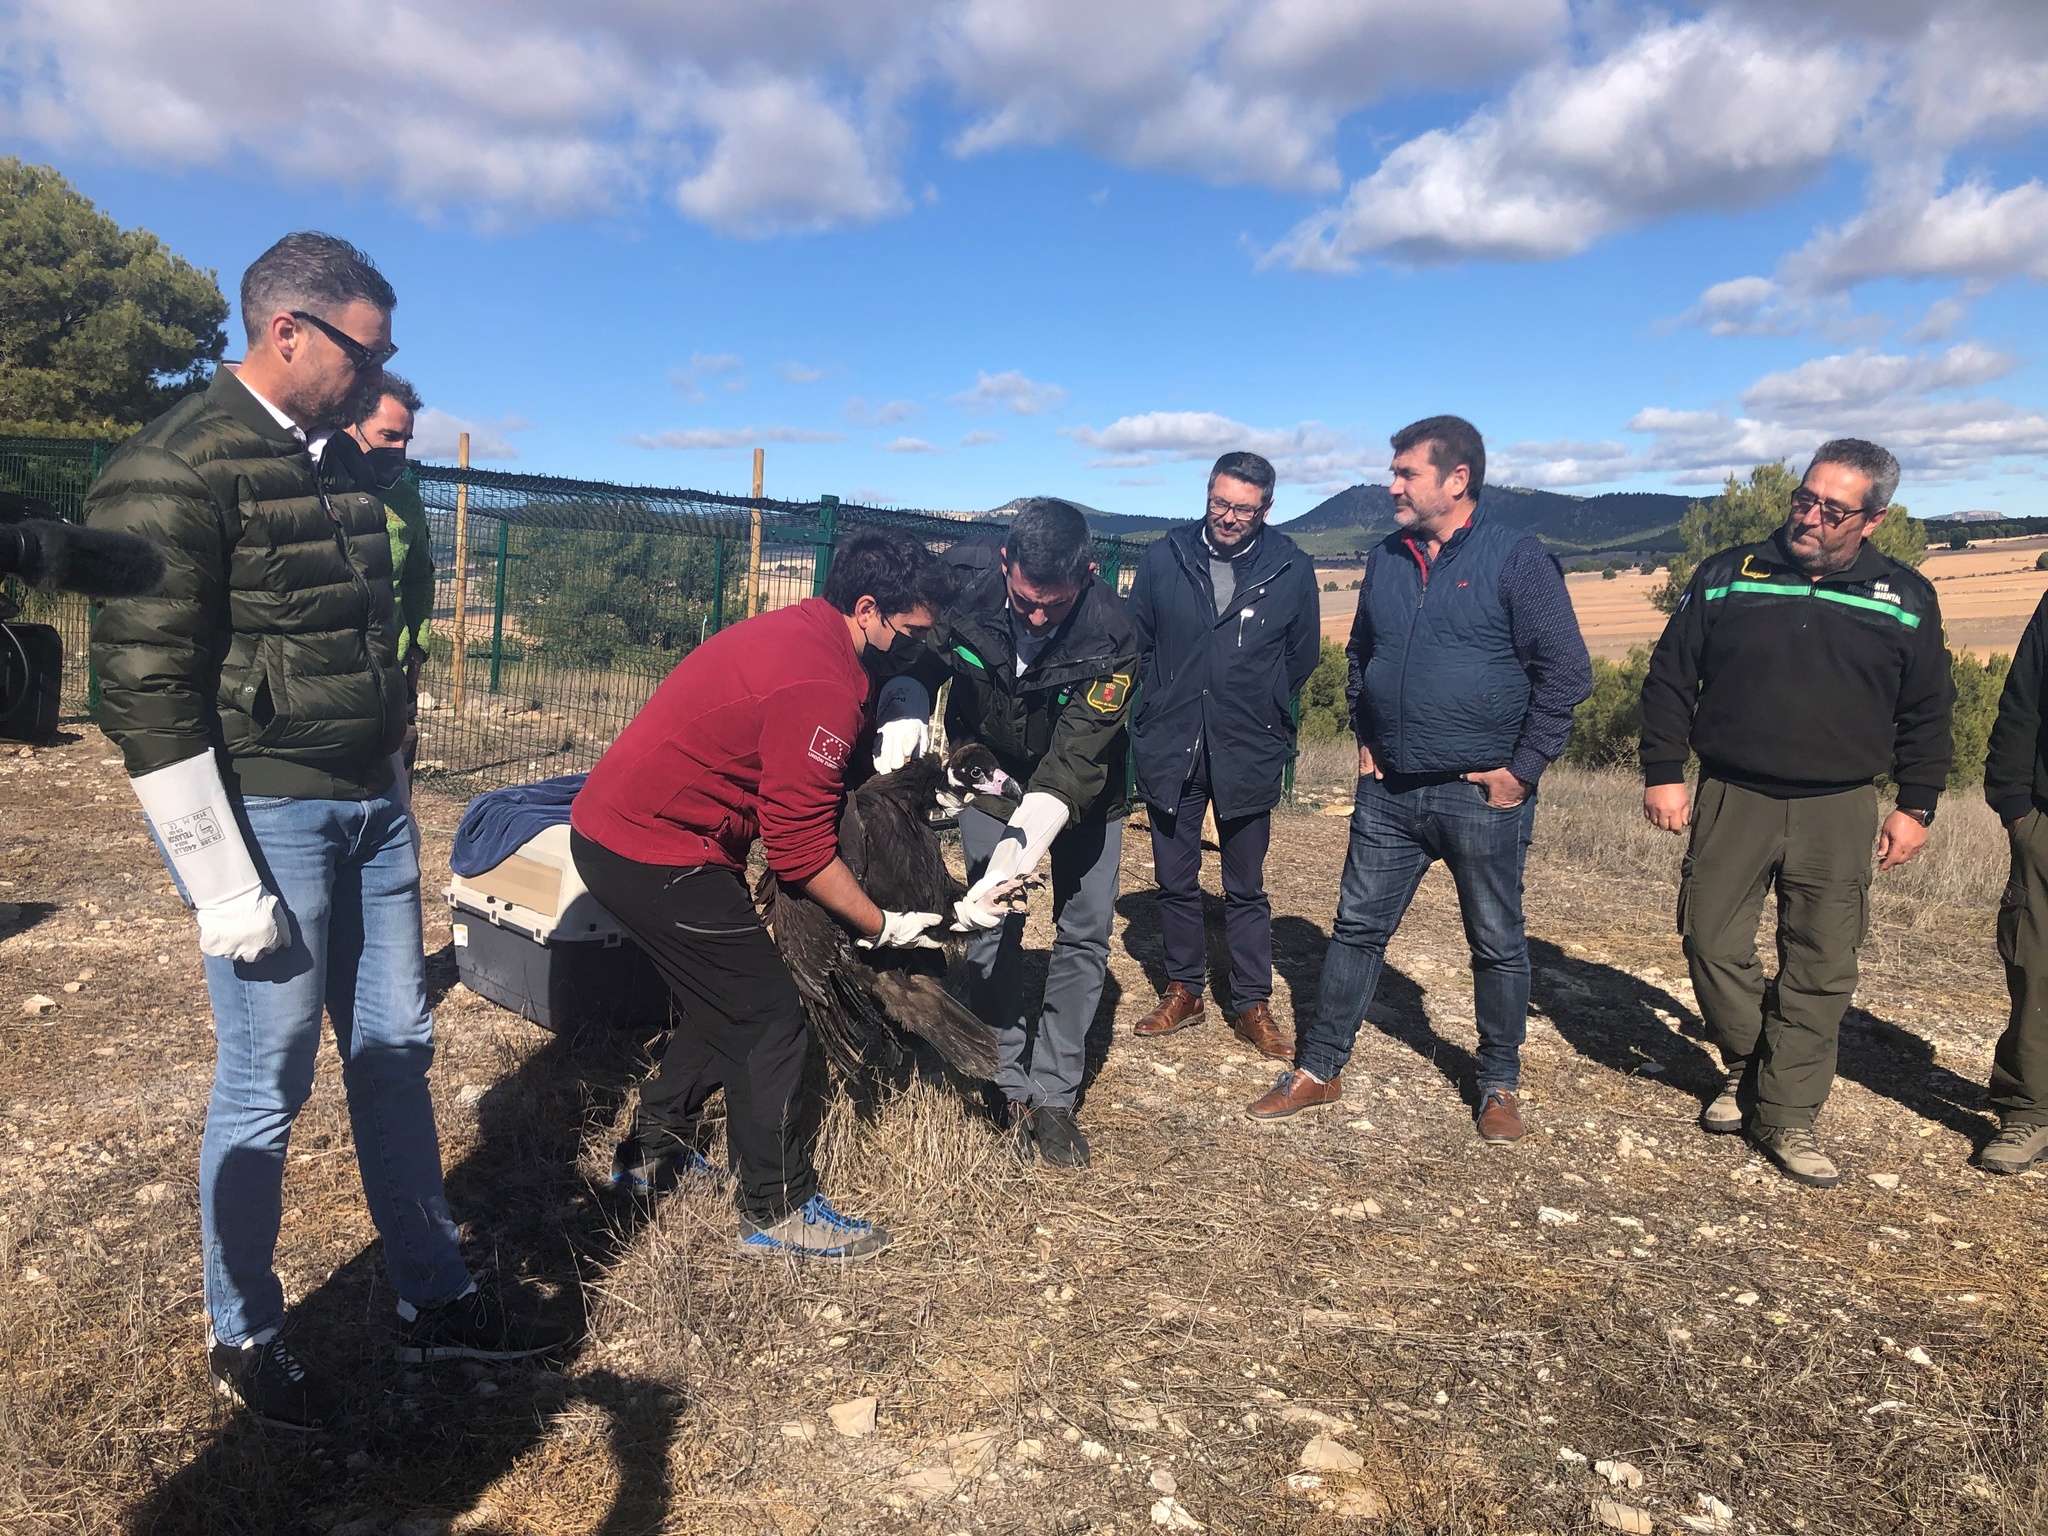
273, 1384
477, 1327
645, 1170
1060, 1139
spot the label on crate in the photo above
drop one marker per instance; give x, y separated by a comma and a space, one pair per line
462, 935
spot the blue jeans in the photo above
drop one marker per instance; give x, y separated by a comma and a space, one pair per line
348, 876
1395, 837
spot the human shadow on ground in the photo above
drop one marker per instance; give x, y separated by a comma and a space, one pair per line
1621, 1021
430, 1440
1898, 1064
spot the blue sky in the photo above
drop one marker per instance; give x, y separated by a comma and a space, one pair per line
942, 254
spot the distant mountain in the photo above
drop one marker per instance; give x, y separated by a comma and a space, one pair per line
1580, 522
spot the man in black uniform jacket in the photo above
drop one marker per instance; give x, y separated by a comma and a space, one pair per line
1799, 669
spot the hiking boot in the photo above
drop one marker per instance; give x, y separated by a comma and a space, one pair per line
273, 1384
1060, 1138
1292, 1092
640, 1168
814, 1232
1723, 1117
1179, 1008
1500, 1119
1255, 1027
476, 1326
1797, 1154
1018, 1130
2014, 1149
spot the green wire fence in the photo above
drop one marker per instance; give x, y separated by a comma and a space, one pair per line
576, 597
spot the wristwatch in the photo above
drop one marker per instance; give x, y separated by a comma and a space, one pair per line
1925, 818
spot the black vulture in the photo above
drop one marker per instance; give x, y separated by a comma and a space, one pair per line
858, 999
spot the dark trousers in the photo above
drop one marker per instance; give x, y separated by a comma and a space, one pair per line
2019, 1068
739, 1024
1247, 914
1815, 853
1395, 836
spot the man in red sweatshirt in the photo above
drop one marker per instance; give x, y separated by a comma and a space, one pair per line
749, 737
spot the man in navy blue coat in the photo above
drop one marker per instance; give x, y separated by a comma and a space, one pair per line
1466, 665
1229, 626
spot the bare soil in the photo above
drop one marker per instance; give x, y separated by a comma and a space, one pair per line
1051, 1353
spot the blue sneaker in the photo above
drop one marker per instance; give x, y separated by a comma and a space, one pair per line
638, 1171
815, 1232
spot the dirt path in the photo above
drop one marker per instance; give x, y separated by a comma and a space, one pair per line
1055, 1353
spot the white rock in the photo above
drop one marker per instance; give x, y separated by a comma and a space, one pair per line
472, 1094
1622, 1517
1372, 1208
929, 1482
1323, 1454
1551, 1216
855, 1418
1029, 1450
1295, 1413
1746, 1299
1132, 1413
1620, 1474
1094, 1450
38, 1005
1362, 1504
1303, 1482
972, 1452
1713, 1508
1884, 1180
1920, 1356
1164, 1481
1168, 1513
152, 1194
1570, 1457
799, 1429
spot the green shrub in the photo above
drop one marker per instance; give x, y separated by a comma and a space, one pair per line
1323, 713
1329, 586
2041, 561
1606, 728
1978, 684
1609, 574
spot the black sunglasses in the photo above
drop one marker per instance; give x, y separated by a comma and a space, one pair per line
362, 358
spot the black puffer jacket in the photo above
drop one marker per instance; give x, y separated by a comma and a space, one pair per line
272, 636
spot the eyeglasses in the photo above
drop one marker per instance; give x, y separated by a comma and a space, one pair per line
1222, 508
916, 634
360, 357
1804, 501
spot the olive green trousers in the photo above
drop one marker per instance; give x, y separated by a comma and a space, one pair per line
1815, 854
2019, 1067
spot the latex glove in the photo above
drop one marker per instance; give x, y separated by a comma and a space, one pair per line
905, 930
1038, 819
903, 698
188, 806
898, 741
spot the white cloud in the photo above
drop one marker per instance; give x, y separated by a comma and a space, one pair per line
797, 373
437, 434
707, 365
910, 445
1761, 306
979, 438
785, 159
1970, 232
731, 437
1310, 452
1010, 391
888, 414
1709, 113
1559, 464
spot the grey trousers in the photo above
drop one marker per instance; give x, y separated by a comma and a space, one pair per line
1043, 1066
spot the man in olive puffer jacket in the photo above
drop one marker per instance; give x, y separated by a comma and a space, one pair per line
258, 700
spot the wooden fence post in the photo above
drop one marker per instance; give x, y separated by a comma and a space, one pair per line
754, 539
461, 566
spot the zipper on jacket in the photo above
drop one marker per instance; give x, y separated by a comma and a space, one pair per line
362, 586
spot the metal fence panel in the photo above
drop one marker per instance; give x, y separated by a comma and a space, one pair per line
577, 597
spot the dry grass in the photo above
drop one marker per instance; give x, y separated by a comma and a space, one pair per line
1044, 1347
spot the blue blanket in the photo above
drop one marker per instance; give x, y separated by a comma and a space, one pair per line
500, 820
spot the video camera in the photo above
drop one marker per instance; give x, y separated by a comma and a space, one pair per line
51, 555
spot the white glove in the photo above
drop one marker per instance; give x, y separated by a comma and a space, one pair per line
1038, 819
188, 806
905, 930
898, 741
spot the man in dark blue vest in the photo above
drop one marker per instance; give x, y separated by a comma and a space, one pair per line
1466, 665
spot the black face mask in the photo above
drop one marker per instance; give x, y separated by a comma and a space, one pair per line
894, 662
383, 467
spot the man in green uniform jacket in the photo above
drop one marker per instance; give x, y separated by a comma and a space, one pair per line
384, 428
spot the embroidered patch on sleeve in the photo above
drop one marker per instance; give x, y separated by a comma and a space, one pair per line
1106, 695
828, 749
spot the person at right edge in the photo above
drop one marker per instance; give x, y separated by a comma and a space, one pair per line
1798, 669
2016, 785
1042, 660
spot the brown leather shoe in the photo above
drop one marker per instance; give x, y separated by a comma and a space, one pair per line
1500, 1118
1178, 1009
1255, 1027
1294, 1092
